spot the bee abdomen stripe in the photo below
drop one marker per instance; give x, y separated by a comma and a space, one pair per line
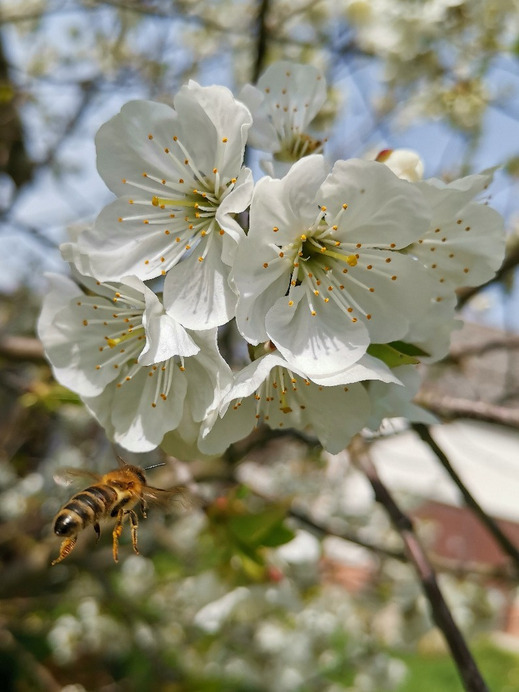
95, 503
104, 493
83, 510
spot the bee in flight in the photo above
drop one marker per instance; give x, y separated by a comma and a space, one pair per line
112, 495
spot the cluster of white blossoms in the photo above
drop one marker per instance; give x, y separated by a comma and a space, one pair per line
340, 278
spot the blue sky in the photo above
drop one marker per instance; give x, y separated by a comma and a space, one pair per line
53, 202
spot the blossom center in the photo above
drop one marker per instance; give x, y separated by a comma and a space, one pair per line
280, 393
185, 207
297, 146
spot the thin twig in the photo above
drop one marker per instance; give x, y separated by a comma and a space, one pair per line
467, 668
508, 342
326, 530
21, 348
491, 525
450, 407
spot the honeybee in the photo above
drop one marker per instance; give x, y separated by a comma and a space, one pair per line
112, 495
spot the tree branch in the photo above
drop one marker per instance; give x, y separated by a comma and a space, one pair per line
467, 668
490, 524
450, 407
506, 342
21, 348
261, 39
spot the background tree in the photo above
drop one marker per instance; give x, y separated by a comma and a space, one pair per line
216, 602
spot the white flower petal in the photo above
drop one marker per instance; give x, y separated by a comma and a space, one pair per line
166, 338
214, 108
268, 391
261, 276
320, 344
390, 291
197, 292
128, 240
86, 336
465, 246
367, 368
337, 414
382, 210
286, 100
433, 334
128, 415
233, 203
209, 375
394, 401
289, 204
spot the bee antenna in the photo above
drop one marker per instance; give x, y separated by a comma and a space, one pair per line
154, 466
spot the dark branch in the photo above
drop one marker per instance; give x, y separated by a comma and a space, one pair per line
261, 39
467, 668
349, 536
491, 525
22, 348
14, 159
508, 342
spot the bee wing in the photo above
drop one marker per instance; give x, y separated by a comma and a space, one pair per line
72, 476
168, 498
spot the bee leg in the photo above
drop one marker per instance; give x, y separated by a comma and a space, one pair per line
97, 529
144, 509
66, 548
116, 533
134, 523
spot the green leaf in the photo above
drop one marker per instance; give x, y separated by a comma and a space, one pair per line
408, 349
262, 529
279, 535
397, 353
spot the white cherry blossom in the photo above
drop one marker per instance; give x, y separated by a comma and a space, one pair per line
287, 98
270, 391
179, 180
346, 278
321, 273
158, 401
96, 337
133, 365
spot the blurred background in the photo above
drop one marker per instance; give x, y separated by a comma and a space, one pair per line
286, 575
